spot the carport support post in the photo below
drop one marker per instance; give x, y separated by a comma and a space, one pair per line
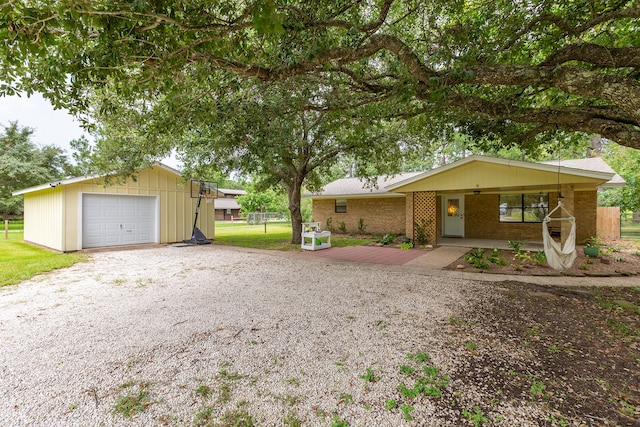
567, 201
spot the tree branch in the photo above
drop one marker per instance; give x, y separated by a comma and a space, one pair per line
597, 55
609, 122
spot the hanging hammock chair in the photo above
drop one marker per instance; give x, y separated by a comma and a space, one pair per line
559, 258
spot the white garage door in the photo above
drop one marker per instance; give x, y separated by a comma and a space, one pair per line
112, 220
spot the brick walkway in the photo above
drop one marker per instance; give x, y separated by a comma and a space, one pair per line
392, 256
374, 254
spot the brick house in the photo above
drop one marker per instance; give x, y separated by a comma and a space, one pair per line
477, 197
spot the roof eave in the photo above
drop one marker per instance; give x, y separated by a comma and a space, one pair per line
507, 162
77, 179
350, 195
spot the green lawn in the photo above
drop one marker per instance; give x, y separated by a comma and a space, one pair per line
14, 225
20, 261
277, 237
630, 232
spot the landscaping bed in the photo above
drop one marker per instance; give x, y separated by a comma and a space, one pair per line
615, 259
573, 351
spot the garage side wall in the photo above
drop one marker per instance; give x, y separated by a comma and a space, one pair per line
43, 223
176, 207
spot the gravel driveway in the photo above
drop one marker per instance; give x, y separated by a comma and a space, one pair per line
205, 334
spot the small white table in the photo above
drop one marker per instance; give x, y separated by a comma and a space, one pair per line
313, 238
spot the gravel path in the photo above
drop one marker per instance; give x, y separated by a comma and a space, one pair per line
198, 334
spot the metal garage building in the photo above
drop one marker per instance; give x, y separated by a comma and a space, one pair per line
80, 213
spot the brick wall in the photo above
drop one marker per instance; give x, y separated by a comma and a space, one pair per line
381, 215
586, 213
482, 219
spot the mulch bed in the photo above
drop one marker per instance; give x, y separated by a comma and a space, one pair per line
617, 258
574, 352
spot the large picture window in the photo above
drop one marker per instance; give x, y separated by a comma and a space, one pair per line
523, 207
341, 206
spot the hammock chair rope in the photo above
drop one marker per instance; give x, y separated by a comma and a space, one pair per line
559, 258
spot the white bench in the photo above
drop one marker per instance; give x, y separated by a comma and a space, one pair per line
313, 238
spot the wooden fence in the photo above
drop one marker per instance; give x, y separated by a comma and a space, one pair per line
608, 223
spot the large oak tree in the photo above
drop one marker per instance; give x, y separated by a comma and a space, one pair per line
515, 68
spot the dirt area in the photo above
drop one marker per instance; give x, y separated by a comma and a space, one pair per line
616, 258
574, 351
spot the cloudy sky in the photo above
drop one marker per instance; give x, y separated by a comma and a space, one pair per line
52, 127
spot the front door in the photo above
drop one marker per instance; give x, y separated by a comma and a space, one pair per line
453, 215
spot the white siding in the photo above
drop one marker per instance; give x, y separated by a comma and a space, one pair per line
43, 218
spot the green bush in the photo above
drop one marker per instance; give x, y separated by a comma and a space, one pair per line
387, 238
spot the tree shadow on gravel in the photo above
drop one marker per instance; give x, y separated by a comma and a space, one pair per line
573, 354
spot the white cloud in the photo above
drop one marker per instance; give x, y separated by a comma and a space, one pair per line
52, 127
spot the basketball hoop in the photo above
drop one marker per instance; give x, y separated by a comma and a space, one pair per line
208, 197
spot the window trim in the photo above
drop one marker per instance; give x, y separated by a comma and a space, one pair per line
522, 208
342, 205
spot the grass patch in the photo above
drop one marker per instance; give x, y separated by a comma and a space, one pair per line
14, 225
133, 402
277, 237
20, 261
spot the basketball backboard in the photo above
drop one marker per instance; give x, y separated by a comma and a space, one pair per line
200, 188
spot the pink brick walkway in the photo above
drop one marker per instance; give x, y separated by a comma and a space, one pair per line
374, 254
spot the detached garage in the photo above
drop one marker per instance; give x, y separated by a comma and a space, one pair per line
81, 213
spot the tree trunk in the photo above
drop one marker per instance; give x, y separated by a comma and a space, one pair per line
294, 193
596, 147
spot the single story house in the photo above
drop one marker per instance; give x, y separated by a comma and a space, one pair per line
80, 213
227, 207
477, 197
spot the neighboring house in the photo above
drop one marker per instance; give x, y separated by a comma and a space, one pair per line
477, 197
79, 213
227, 207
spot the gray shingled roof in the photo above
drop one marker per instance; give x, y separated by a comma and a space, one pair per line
358, 186
230, 191
226, 203
596, 164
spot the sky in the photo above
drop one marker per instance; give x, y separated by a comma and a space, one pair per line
52, 127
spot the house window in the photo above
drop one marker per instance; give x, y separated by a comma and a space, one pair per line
523, 207
341, 206
452, 207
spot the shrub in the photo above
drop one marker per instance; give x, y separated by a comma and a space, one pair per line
421, 228
476, 258
387, 238
330, 224
361, 226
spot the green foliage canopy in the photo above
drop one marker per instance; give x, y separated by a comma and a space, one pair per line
23, 164
626, 162
256, 200
515, 69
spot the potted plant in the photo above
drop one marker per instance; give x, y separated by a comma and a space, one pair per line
592, 247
